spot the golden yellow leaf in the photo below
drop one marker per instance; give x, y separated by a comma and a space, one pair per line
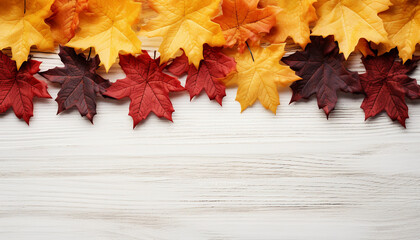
106, 26
402, 22
20, 30
351, 20
147, 12
293, 21
185, 24
260, 79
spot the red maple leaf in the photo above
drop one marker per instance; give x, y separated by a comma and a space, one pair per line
214, 67
323, 73
18, 88
80, 82
147, 87
386, 85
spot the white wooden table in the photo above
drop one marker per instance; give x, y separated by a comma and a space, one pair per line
212, 174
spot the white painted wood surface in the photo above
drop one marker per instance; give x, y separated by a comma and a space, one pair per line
212, 174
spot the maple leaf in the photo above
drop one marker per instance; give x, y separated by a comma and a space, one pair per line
147, 12
242, 21
259, 75
106, 26
293, 21
65, 18
18, 88
147, 87
80, 82
185, 24
213, 68
402, 22
323, 73
386, 85
22, 28
350, 20
364, 47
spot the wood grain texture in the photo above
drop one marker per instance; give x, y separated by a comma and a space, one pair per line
213, 173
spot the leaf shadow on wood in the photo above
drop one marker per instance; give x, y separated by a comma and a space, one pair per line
203, 96
9, 112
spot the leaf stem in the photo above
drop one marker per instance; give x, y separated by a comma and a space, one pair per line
252, 55
90, 52
24, 6
154, 55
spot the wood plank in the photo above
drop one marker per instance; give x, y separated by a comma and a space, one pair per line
213, 173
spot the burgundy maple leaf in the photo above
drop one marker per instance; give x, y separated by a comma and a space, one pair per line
323, 73
214, 67
147, 87
386, 85
18, 88
80, 82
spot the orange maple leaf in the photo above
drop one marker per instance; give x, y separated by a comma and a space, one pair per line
242, 20
65, 18
365, 48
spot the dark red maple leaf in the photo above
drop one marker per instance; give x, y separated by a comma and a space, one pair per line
323, 73
18, 88
147, 87
80, 82
386, 85
214, 67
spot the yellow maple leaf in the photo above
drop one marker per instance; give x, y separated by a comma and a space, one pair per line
293, 21
402, 22
147, 12
23, 27
351, 20
185, 24
260, 78
106, 26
